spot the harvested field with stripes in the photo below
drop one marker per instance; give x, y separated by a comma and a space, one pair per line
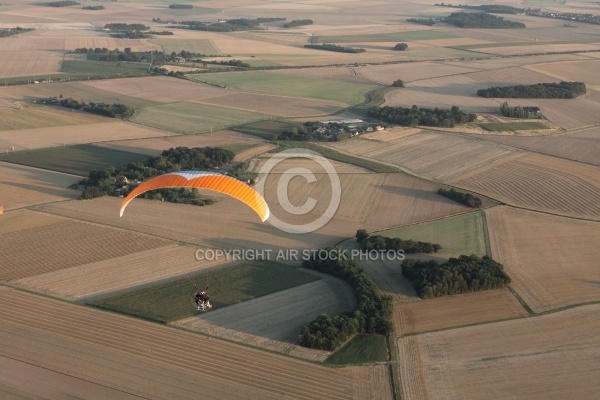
553, 261
387, 74
23, 186
565, 146
581, 112
539, 182
550, 356
165, 360
115, 275
274, 321
65, 244
458, 310
438, 156
578, 71
31, 63
44, 117
509, 77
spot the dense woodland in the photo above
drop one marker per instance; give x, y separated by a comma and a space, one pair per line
464, 274
562, 90
334, 47
119, 182
298, 22
372, 314
421, 116
63, 3
520, 112
480, 20
108, 110
231, 25
122, 27
421, 21
13, 31
382, 243
463, 198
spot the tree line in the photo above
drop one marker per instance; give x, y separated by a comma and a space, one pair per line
120, 26
334, 47
421, 116
464, 198
421, 21
371, 316
14, 31
63, 3
464, 274
93, 7
520, 112
562, 90
118, 182
231, 25
108, 110
480, 20
181, 6
298, 22
382, 243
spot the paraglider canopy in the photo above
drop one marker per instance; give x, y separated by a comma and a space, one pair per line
204, 180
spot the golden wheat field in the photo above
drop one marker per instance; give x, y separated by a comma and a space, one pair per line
552, 260
547, 357
539, 182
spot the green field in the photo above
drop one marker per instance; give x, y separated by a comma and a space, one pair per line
461, 234
172, 301
386, 37
514, 126
77, 160
202, 46
191, 118
179, 12
361, 349
105, 68
285, 85
266, 129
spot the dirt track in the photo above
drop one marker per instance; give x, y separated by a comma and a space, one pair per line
151, 360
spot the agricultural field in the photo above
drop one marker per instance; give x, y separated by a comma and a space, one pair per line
281, 106
550, 356
458, 310
361, 349
274, 321
192, 118
341, 74
387, 74
438, 156
201, 46
87, 282
158, 89
578, 71
23, 186
66, 243
166, 359
539, 182
44, 117
155, 145
514, 126
552, 260
82, 68
31, 63
509, 76
288, 85
171, 301
75, 160
386, 37
60, 135
572, 147
460, 234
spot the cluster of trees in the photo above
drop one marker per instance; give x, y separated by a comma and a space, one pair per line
93, 7
122, 27
334, 47
372, 314
231, 63
480, 20
398, 83
298, 22
401, 46
13, 31
464, 198
232, 25
464, 274
63, 3
181, 6
562, 90
520, 112
108, 110
382, 243
421, 116
161, 33
114, 182
422, 21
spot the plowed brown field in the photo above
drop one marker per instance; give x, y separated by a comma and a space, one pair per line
548, 357
540, 182
552, 261
154, 361
450, 311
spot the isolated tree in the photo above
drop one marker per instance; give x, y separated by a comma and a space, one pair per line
398, 83
401, 46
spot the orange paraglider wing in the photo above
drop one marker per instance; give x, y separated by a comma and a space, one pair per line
204, 180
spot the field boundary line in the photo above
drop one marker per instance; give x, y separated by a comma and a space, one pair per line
486, 234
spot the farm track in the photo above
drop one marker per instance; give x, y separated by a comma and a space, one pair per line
234, 364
